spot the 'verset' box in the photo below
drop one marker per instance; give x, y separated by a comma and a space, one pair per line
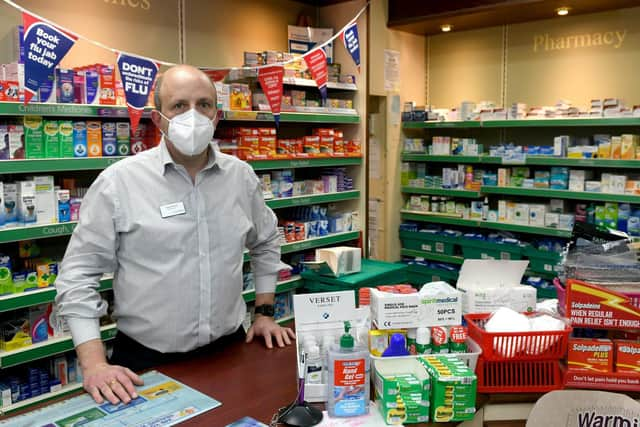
590, 355
627, 356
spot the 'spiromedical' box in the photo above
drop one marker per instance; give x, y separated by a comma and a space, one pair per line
440, 304
590, 355
627, 356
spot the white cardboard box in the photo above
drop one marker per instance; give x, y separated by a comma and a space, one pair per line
441, 304
46, 201
395, 311
487, 285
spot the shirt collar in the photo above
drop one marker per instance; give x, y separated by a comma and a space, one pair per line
166, 159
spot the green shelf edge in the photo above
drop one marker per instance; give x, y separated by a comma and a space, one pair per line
304, 163
285, 319
28, 299
319, 241
419, 157
451, 259
291, 117
561, 194
64, 110
440, 192
585, 163
36, 232
40, 351
484, 224
441, 124
312, 199
66, 391
56, 165
280, 288
524, 123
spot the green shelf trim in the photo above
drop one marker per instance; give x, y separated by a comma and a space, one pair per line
284, 286
304, 163
64, 391
419, 157
36, 232
261, 116
47, 348
441, 192
415, 216
56, 165
451, 259
542, 274
285, 319
311, 199
561, 194
586, 163
441, 124
319, 241
572, 122
39, 296
64, 110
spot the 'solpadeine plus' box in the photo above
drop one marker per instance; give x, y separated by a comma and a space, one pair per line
51, 143
34, 137
65, 138
595, 355
627, 356
80, 148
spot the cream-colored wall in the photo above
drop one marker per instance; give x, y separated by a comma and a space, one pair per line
217, 33
149, 32
538, 76
465, 66
412, 50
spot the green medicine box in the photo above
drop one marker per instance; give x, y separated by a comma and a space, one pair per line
51, 143
34, 137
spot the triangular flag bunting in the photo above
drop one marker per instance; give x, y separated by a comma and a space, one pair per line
317, 63
45, 46
138, 75
216, 75
351, 41
270, 79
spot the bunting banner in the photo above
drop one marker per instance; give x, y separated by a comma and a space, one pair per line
216, 75
45, 46
317, 63
138, 75
352, 43
270, 79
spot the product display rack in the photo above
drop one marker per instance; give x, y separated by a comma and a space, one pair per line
63, 391
50, 347
290, 284
293, 81
331, 116
441, 192
57, 165
526, 123
17, 234
311, 162
288, 202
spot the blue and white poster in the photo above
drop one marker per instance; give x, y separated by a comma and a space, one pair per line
351, 41
138, 75
45, 46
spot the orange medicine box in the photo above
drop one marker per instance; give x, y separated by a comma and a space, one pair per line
267, 145
590, 355
251, 144
627, 356
94, 138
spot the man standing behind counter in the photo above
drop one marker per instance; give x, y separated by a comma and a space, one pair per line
172, 223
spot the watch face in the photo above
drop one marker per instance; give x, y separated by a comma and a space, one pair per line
265, 310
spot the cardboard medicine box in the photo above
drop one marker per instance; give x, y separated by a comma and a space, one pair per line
627, 356
395, 311
402, 390
595, 355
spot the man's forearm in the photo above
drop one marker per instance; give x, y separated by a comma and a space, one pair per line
91, 353
267, 298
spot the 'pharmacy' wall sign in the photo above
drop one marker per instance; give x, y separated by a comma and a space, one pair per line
547, 42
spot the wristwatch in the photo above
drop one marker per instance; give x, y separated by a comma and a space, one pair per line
265, 310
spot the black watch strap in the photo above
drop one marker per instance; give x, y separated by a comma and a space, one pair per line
265, 310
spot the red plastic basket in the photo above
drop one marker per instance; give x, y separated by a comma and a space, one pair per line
535, 376
508, 346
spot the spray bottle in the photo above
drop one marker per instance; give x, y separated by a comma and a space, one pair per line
348, 393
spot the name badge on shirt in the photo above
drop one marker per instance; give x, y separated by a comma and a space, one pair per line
172, 209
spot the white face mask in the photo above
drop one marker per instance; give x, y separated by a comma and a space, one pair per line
190, 132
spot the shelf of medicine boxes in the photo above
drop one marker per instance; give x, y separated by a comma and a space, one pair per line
529, 161
50, 347
526, 123
310, 199
314, 242
41, 296
63, 391
320, 115
559, 194
56, 165
64, 110
283, 286
455, 220
441, 192
312, 83
17, 234
260, 165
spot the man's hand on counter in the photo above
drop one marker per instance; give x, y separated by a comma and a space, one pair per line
267, 328
111, 382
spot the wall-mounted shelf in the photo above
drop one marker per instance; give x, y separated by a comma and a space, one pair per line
283, 286
17, 234
441, 192
304, 163
317, 242
431, 256
56, 165
525, 123
312, 199
560, 194
63, 391
64, 110
292, 81
330, 116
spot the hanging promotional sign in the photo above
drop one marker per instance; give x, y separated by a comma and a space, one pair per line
45, 46
352, 43
216, 75
138, 75
593, 306
317, 63
270, 79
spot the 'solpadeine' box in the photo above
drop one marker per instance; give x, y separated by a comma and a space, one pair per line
123, 135
441, 304
80, 148
65, 138
109, 142
94, 138
34, 137
51, 143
